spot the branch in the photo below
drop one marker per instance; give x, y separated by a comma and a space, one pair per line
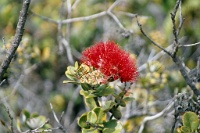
189, 45
157, 45
150, 118
173, 17
86, 18
11, 120
180, 64
44, 18
17, 39
181, 19
60, 126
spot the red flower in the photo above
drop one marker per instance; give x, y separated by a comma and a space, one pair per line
112, 61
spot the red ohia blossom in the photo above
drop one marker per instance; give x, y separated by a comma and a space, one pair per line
112, 61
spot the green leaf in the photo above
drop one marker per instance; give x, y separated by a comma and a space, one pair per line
191, 121
92, 130
101, 115
116, 113
128, 99
76, 65
33, 115
69, 81
122, 103
185, 129
87, 94
91, 117
82, 121
104, 90
85, 86
108, 105
112, 126
121, 94
90, 102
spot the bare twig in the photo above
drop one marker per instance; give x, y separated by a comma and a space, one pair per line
189, 45
66, 41
131, 15
157, 45
11, 120
17, 39
156, 116
44, 17
86, 18
181, 19
180, 64
2, 82
68, 50
75, 4
60, 126
173, 18
116, 20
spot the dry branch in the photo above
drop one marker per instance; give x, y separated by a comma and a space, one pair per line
17, 39
179, 63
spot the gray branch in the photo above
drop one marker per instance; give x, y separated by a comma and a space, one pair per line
17, 39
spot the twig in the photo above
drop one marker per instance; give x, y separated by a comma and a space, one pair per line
86, 18
157, 45
173, 18
185, 75
179, 63
75, 4
60, 126
66, 41
116, 20
44, 18
2, 82
189, 45
11, 120
17, 39
68, 50
181, 19
150, 118
131, 15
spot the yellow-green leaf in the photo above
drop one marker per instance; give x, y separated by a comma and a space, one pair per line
191, 121
91, 117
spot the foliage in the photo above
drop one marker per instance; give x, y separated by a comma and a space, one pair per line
32, 121
190, 123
